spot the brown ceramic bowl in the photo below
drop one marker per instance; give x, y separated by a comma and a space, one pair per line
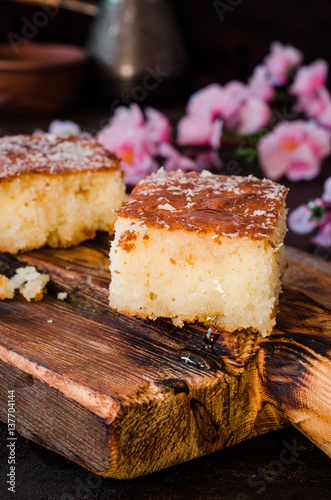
40, 79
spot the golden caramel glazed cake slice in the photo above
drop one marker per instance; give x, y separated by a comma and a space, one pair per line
200, 247
56, 190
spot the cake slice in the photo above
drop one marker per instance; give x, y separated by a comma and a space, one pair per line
56, 191
200, 247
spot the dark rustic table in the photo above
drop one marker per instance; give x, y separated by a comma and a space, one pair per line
252, 470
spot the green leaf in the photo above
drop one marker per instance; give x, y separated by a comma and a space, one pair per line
317, 213
248, 153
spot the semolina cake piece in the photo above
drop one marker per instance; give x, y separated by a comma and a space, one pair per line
200, 247
56, 191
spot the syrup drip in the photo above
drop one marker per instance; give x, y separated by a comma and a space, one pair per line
211, 337
201, 360
205, 359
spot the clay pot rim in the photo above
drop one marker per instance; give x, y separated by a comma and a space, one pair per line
40, 56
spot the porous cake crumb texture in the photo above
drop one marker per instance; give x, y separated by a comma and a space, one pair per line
216, 261
62, 296
59, 211
30, 282
56, 191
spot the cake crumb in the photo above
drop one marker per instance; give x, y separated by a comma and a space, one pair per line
30, 282
7, 289
62, 295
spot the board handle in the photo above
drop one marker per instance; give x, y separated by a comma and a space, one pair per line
296, 367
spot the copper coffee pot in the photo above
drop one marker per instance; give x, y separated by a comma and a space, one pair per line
138, 49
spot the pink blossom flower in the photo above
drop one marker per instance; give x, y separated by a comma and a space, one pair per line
143, 165
317, 106
294, 149
235, 94
207, 160
206, 101
214, 100
323, 237
253, 115
324, 117
259, 84
157, 126
234, 103
314, 105
314, 214
59, 127
326, 196
317, 203
199, 130
122, 128
318, 139
174, 160
204, 160
281, 60
300, 221
135, 140
310, 79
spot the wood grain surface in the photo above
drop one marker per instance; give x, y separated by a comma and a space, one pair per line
125, 397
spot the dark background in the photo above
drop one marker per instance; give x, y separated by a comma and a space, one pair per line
220, 49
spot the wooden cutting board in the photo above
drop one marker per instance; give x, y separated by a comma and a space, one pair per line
124, 397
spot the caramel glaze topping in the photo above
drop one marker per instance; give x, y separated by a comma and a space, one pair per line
52, 154
230, 206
